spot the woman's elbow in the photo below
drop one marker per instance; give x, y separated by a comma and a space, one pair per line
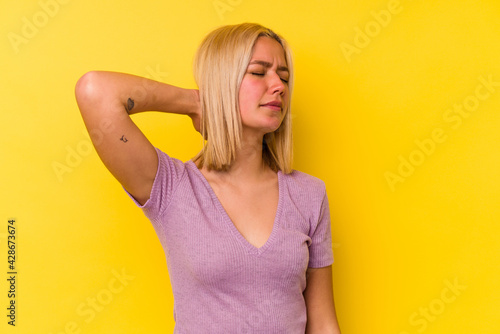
88, 88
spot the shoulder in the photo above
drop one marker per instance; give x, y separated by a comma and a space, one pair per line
171, 171
305, 184
167, 159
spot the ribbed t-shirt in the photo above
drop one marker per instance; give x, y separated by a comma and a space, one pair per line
221, 283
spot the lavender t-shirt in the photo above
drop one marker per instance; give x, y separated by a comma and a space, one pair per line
221, 283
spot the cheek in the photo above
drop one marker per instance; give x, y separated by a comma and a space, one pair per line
249, 95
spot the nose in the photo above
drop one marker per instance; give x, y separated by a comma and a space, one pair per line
276, 85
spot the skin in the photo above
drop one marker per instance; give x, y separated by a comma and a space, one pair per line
321, 315
106, 101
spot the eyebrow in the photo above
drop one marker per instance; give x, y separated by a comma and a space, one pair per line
267, 65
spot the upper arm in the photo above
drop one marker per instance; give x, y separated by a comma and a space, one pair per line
318, 295
120, 144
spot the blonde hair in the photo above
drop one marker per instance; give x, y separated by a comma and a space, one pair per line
219, 66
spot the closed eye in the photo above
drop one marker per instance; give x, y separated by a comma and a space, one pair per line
262, 74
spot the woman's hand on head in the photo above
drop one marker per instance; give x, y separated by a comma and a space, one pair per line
196, 112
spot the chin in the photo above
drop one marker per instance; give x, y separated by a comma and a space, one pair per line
271, 125
272, 129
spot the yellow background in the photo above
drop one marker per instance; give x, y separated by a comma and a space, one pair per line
397, 246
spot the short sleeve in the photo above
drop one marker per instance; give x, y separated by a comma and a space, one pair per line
168, 175
320, 249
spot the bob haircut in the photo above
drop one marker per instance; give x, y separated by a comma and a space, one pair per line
219, 65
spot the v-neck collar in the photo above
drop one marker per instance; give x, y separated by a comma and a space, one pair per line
249, 247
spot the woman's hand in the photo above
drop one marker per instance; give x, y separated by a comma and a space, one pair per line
196, 113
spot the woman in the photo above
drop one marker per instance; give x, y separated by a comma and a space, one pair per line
247, 238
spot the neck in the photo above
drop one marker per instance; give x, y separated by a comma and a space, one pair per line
248, 166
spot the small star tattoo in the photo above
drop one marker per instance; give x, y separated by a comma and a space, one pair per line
124, 139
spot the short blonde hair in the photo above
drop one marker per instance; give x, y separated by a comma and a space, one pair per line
219, 66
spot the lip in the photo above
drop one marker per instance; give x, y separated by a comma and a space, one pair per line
274, 105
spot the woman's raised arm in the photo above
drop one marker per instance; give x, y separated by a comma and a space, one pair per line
106, 101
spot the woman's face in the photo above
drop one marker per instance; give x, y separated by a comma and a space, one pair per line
264, 89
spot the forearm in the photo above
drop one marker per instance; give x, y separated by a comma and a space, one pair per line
331, 327
318, 295
134, 94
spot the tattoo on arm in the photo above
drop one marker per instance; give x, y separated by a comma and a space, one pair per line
124, 139
130, 104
